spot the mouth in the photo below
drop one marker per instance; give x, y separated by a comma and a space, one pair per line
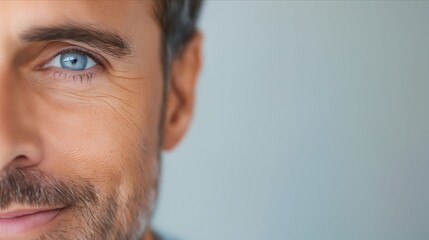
23, 220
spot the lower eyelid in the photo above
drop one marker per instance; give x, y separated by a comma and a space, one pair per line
85, 77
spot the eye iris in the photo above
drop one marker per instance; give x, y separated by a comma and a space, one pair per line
73, 61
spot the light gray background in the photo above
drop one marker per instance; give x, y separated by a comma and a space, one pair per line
311, 123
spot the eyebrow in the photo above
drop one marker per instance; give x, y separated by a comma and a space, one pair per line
107, 41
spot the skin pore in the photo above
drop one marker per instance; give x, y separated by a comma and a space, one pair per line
83, 146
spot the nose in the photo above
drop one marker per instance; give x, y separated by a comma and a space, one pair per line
19, 142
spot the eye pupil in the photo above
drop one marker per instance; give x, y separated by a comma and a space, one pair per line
73, 61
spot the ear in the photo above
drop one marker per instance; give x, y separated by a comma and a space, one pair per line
181, 92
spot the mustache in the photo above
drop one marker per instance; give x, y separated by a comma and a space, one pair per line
37, 188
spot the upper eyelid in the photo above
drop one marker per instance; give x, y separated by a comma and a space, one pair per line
96, 60
80, 51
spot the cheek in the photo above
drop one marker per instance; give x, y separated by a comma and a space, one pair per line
112, 142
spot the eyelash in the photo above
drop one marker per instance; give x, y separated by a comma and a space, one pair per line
75, 75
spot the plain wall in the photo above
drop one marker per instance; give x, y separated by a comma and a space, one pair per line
311, 122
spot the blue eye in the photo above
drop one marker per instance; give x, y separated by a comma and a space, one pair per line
74, 61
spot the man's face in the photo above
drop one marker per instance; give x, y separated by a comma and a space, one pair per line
81, 89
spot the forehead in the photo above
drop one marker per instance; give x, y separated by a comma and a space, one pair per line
120, 16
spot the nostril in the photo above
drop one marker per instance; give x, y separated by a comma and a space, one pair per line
21, 158
20, 149
18, 160
21, 161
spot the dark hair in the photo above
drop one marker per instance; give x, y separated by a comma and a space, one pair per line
177, 19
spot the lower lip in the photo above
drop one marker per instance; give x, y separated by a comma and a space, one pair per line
21, 224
